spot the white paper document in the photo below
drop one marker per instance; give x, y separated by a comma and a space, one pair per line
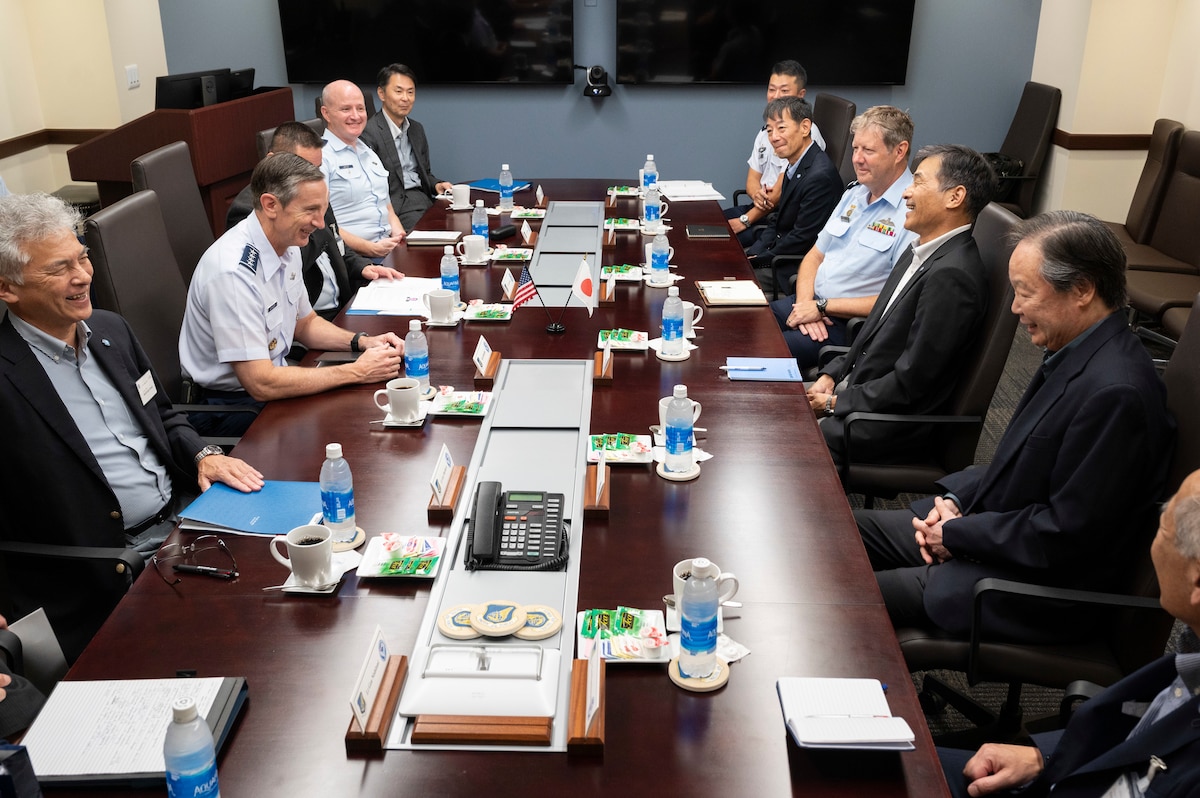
841, 713
688, 190
394, 297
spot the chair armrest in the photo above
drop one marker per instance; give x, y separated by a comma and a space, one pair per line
901, 418
1077, 692
993, 584
10, 649
126, 561
829, 352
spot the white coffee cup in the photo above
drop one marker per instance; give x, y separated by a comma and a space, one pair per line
402, 398
670, 254
310, 554
662, 411
439, 303
727, 584
472, 248
692, 313
462, 195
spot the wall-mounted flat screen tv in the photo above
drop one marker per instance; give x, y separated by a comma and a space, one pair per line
839, 42
443, 41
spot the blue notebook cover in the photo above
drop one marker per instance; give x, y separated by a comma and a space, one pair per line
275, 510
493, 185
763, 369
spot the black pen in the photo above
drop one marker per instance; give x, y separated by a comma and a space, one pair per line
207, 570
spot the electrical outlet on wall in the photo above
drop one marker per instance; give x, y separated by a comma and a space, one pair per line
132, 80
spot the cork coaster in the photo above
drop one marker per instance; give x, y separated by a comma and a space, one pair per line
540, 622
455, 622
497, 618
714, 681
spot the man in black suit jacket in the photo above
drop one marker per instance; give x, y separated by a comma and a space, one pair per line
332, 271
1078, 473
811, 188
1143, 728
908, 354
96, 454
400, 143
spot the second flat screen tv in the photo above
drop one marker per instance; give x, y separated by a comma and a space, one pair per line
839, 42
443, 41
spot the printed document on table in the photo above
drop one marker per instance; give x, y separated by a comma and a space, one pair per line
841, 713
394, 297
688, 190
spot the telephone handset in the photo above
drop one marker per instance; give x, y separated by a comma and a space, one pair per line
516, 531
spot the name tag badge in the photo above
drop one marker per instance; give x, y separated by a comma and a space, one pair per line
146, 388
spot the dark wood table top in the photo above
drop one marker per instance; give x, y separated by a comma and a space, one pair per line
767, 507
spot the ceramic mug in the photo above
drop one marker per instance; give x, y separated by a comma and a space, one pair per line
692, 313
439, 303
727, 584
401, 397
662, 412
310, 554
462, 195
472, 248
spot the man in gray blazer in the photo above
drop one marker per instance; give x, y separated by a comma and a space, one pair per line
401, 144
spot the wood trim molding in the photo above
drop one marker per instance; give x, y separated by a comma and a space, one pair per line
45, 137
1100, 141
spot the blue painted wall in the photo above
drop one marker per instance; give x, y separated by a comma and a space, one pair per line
968, 63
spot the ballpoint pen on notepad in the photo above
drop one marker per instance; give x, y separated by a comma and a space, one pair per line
742, 368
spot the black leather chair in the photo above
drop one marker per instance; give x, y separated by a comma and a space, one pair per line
168, 172
955, 447
262, 139
135, 275
1174, 320
833, 115
1147, 201
1028, 140
1137, 627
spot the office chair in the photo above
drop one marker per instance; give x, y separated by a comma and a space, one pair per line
1028, 140
1146, 205
168, 172
833, 115
135, 275
262, 139
954, 448
1136, 630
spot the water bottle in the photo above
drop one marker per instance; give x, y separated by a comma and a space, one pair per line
672, 326
337, 494
679, 432
479, 224
506, 189
649, 173
652, 208
191, 759
698, 621
660, 256
416, 354
450, 272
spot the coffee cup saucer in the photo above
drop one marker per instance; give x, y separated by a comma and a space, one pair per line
463, 260
453, 207
290, 585
455, 317
422, 412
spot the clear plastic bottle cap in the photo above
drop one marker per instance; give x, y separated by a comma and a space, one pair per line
333, 451
701, 567
673, 291
447, 250
414, 325
681, 393
183, 710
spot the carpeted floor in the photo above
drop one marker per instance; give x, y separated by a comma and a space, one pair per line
1023, 360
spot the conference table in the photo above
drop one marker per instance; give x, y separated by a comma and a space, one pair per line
768, 507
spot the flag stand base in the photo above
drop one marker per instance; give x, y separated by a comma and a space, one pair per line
556, 328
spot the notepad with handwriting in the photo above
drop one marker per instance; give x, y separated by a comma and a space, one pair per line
731, 292
841, 713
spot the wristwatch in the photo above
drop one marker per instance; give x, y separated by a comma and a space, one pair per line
354, 345
821, 305
206, 451
744, 219
829, 405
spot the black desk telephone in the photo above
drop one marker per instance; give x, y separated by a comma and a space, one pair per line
516, 531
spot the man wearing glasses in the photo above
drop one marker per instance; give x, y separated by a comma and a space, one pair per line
96, 454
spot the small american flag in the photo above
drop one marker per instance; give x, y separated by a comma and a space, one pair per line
525, 288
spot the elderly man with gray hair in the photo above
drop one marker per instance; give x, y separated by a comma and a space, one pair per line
247, 305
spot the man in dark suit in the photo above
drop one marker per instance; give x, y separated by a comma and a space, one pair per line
811, 188
907, 356
401, 144
1078, 472
332, 271
1138, 737
96, 455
